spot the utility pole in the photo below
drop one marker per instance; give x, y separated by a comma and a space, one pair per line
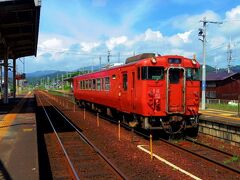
229, 56
57, 81
48, 82
203, 33
108, 56
62, 83
1, 73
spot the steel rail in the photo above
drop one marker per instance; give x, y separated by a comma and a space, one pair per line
125, 126
203, 157
85, 139
209, 147
198, 155
59, 140
206, 158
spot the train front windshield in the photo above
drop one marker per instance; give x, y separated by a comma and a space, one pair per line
152, 73
192, 74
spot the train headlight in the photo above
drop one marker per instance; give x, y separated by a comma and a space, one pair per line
153, 60
194, 61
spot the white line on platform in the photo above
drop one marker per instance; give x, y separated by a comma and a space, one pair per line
218, 110
168, 163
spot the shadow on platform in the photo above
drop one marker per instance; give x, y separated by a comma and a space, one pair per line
26, 108
3, 172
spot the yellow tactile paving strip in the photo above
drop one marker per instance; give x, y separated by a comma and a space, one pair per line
220, 113
8, 119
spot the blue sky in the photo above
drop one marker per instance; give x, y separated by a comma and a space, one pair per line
73, 34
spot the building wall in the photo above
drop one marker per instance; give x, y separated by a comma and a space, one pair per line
228, 89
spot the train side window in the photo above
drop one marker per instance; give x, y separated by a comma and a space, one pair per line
107, 83
94, 84
192, 74
86, 84
98, 84
83, 84
89, 84
113, 76
80, 84
125, 81
138, 73
144, 73
102, 84
152, 73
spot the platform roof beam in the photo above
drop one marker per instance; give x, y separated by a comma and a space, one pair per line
19, 27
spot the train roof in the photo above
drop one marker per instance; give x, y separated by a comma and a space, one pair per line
134, 60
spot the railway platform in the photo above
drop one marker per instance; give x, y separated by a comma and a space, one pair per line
224, 125
225, 117
18, 139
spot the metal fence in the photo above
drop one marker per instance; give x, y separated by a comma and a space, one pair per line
235, 103
221, 101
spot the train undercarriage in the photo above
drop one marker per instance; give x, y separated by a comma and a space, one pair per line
170, 125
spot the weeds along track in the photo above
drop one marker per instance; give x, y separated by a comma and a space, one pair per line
211, 154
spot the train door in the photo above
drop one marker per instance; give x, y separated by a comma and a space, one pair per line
124, 99
133, 92
175, 100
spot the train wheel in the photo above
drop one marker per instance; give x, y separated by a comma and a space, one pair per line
193, 132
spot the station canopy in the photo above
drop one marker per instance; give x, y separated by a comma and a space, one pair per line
19, 27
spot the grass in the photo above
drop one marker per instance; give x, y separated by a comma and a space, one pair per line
235, 158
224, 107
57, 93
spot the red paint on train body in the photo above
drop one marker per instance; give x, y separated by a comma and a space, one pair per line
157, 89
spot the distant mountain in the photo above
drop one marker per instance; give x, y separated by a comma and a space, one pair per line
38, 75
212, 69
236, 68
41, 73
209, 68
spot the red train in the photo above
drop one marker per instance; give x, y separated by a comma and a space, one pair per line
149, 91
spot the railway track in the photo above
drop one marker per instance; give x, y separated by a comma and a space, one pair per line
84, 159
211, 154
206, 152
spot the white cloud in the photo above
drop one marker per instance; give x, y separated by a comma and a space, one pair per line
87, 47
53, 46
185, 36
52, 43
183, 40
233, 14
231, 23
151, 35
175, 41
111, 43
187, 22
181, 52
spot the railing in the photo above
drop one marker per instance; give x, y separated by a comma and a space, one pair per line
234, 104
221, 101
